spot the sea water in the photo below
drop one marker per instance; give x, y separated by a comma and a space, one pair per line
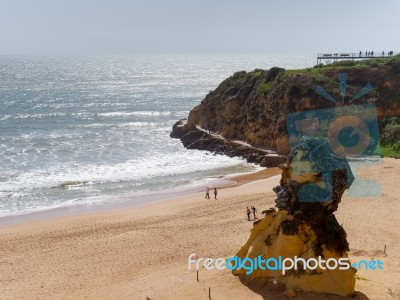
89, 129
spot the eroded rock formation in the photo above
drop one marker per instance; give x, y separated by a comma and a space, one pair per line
303, 224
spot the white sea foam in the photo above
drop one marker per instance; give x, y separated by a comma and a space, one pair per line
134, 113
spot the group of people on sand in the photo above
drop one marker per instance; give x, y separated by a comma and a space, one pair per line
208, 193
248, 211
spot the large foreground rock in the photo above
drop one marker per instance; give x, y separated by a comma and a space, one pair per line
271, 237
304, 226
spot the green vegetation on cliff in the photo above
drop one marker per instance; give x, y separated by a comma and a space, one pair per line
390, 137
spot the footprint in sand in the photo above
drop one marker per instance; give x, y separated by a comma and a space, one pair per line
372, 253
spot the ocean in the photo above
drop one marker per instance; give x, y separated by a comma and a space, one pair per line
93, 130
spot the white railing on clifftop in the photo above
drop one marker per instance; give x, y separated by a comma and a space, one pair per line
354, 56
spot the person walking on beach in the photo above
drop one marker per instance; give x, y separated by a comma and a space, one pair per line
215, 193
248, 213
207, 194
254, 212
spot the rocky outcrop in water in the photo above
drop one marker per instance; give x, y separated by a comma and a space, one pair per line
193, 137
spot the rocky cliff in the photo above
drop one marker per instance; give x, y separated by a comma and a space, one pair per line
252, 106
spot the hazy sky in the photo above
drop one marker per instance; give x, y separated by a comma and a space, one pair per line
97, 27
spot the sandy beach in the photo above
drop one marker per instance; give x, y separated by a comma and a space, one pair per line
142, 251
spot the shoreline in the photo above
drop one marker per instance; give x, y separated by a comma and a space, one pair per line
134, 200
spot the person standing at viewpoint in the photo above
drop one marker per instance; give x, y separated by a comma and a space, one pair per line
215, 193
